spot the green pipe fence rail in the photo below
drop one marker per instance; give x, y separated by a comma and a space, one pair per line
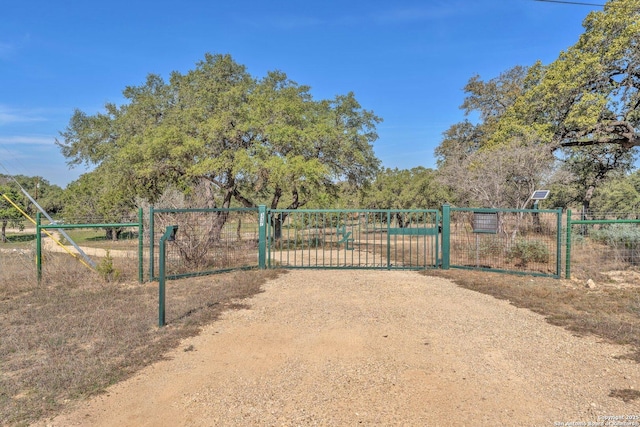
137, 225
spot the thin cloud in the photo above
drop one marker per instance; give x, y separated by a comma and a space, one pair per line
10, 115
27, 140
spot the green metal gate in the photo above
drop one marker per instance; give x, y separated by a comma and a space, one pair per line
353, 239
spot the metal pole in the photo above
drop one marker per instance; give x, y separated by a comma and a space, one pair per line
388, 240
161, 287
61, 231
151, 244
446, 236
169, 235
559, 245
262, 236
140, 247
38, 248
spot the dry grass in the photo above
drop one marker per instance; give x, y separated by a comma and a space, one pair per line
607, 311
75, 334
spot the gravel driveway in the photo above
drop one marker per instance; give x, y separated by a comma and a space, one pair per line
335, 348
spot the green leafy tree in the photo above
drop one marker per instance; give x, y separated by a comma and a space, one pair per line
9, 215
479, 172
583, 107
254, 140
96, 198
415, 188
47, 195
585, 104
619, 196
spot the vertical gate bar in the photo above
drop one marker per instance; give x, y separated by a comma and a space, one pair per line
317, 235
262, 236
567, 271
268, 242
388, 240
446, 236
437, 240
323, 233
375, 238
559, 244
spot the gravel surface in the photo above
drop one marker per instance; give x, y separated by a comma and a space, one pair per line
335, 348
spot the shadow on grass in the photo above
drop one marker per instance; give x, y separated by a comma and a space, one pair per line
21, 238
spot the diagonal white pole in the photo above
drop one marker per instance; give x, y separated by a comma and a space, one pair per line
66, 236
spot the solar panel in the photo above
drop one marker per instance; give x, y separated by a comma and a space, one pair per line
540, 194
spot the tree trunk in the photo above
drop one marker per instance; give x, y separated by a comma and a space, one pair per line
4, 229
277, 225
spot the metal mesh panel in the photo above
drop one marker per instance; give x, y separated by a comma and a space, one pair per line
604, 242
207, 240
505, 240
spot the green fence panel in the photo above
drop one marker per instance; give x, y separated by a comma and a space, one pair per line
356, 239
521, 241
209, 241
607, 240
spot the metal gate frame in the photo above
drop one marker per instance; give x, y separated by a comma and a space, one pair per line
353, 239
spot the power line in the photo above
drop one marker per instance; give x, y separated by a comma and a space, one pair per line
571, 2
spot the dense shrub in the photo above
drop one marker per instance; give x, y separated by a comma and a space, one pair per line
527, 251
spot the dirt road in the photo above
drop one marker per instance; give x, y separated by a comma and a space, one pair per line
373, 348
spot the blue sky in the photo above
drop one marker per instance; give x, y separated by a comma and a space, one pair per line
408, 61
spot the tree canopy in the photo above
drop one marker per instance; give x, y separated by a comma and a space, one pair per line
415, 188
583, 107
251, 141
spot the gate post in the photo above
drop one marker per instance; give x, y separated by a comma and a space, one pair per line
152, 260
262, 236
169, 235
446, 236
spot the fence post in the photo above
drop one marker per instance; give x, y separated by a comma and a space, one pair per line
262, 236
446, 236
38, 249
567, 270
151, 243
169, 235
388, 240
559, 246
140, 247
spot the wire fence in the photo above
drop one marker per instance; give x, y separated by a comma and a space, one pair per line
65, 251
600, 243
206, 241
527, 241
520, 241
